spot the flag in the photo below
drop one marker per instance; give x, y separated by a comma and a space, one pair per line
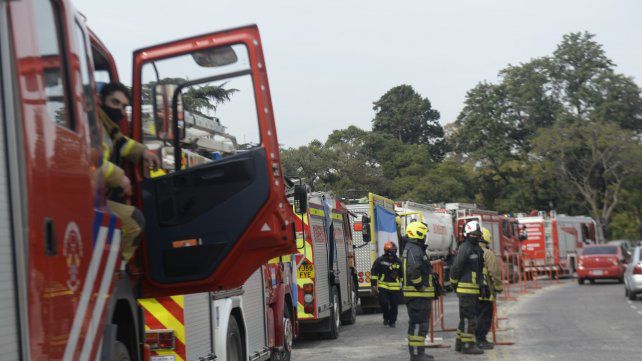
385, 228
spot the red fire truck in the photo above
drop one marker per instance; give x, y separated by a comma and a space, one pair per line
64, 294
326, 292
505, 230
553, 240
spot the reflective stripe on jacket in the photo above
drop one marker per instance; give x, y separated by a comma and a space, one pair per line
492, 274
386, 273
466, 272
417, 271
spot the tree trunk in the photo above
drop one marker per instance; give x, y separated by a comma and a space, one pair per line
599, 230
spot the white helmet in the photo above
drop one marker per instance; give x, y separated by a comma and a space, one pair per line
472, 228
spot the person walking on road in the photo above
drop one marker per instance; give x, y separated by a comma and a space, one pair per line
492, 281
418, 289
466, 276
386, 282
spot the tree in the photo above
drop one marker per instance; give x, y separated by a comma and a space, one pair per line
408, 117
596, 159
199, 99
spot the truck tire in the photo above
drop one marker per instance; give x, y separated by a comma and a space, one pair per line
288, 337
334, 320
120, 352
350, 316
234, 344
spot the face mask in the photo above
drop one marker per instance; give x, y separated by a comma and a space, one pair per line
116, 115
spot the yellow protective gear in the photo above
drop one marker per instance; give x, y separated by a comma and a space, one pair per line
416, 230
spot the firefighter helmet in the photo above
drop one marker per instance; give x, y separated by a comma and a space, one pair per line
472, 228
486, 236
389, 246
417, 230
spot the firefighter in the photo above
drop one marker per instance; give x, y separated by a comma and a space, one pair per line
466, 276
492, 281
418, 289
386, 282
114, 98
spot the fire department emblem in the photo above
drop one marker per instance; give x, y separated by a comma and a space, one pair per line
72, 251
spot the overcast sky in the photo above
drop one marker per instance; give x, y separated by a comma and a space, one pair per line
329, 60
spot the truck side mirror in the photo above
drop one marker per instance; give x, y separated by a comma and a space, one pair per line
300, 199
167, 104
365, 230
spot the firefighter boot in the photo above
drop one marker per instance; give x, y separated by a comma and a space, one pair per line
470, 348
485, 345
458, 345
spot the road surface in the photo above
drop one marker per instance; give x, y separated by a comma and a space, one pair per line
561, 321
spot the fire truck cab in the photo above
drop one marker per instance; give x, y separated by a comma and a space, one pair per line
66, 294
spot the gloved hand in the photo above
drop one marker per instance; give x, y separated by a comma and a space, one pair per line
375, 290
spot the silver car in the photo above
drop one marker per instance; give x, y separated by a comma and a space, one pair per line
633, 275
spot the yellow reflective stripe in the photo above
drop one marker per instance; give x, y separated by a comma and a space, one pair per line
467, 285
419, 294
467, 291
110, 170
316, 212
474, 275
178, 300
168, 320
415, 343
453, 280
124, 151
416, 338
337, 216
416, 280
390, 288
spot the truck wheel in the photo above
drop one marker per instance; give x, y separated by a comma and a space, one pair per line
288, 337
350, 317
120, 352
234, 344
335, 316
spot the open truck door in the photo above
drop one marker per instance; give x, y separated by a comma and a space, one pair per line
210, 226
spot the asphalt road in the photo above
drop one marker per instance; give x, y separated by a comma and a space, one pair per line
560, 321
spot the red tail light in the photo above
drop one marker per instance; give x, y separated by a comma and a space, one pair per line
638, 269
160, 339
309, 308
308, 288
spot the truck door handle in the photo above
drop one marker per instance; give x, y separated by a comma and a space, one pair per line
50, 237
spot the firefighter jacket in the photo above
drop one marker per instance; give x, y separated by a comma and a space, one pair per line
492, 274
116, 147
466, 273
386, 273
417, 271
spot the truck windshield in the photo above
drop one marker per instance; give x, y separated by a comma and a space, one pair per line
599, 250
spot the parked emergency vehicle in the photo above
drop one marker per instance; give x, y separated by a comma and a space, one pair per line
63, 296
374, 222
504, 229
197, 326
326, 292
553, 241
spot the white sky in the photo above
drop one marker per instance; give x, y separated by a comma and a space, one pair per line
329, 60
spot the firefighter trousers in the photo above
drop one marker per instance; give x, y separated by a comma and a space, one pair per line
418, 318
484, 320
389, 302
468, 315
133, 223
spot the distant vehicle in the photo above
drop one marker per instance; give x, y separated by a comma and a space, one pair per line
601, 261
633, 275
625, 244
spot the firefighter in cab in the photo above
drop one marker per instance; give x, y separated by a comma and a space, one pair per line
418, 288
466, 275
492, 285
386, 282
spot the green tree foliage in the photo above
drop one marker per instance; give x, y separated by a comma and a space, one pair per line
557, 132
199, 99
407, 116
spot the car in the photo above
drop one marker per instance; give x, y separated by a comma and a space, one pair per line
601, 261
633, 275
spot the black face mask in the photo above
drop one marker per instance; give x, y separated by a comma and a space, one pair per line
116, 115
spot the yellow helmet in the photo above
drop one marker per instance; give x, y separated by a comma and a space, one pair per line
486, 236
416, 230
